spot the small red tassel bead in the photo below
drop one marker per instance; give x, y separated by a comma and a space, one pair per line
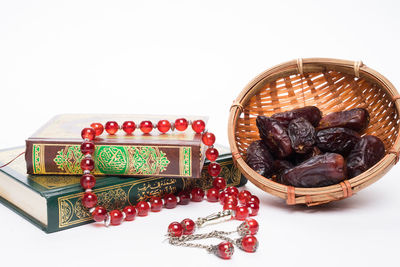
225, 250
98, 128
198, 126
88, 181
163, 126
129, 127
249, 243
197, 194
184, 198
208, 139
222, 195
244, 196
89, 200
130, 213
181, 124
188, 226
111, 127
229, 206
87, 147
253, 207
254, 198
212, 195
116, 217
175, 229
146, 126
142, 208
156, 204
232, 191
251, 225
170, 201
219, 183
212, 154
87, 164
242, 212
214, 169
88, 133
99, 214
231, 199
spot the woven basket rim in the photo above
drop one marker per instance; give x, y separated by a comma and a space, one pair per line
320, 194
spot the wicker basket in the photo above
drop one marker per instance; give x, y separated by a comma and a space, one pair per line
331, 85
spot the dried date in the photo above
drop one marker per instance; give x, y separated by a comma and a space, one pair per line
321, 170
274, 136
356, 119
365, 154
279, 167
337, 140
310, 113
259, 158
299, 158
302, 135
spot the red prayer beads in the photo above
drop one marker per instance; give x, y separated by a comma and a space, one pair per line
249, 243
225, 250
226, 196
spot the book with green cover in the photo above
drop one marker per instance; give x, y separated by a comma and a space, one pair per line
53, 202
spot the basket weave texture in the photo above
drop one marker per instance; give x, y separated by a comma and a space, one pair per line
331, 85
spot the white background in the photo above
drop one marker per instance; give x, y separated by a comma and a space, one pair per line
182, 57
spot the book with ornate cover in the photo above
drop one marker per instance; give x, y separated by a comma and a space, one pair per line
55, 148
53, 202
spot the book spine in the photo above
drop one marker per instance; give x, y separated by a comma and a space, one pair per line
67, 211
115, 159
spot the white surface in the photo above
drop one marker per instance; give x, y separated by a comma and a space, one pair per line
176, 57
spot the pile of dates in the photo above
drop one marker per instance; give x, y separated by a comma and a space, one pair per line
302, 148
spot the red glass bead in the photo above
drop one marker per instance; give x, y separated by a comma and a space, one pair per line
129, 127
181, 124
142, 208
88, 181
197, 194
249, 243
98, 128
251, 225
198, 126
87, 164
130, 213
222, 195
156, 204
232, 191
253, 207
244, 196
184, 198
89, 200
229, 206
146, 126
214, 169
116, 217
163, 126
208, 139
188, 226
87, 148
99, 214
212, 194
231, 199
88, 133
254, 198
212, 154
175, 229
170, 201
111, 127
219, 183
242, 212
225, 250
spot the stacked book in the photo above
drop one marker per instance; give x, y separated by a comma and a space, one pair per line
45, 186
